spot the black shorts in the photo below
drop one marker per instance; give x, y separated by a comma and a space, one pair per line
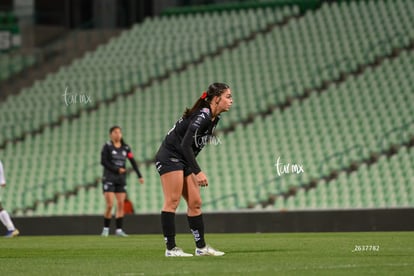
166, 161
114, 185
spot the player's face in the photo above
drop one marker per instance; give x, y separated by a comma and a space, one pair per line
225, 101
116, 135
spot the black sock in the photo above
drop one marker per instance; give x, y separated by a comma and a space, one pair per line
197, 228
107, 222
168, 228
119, 223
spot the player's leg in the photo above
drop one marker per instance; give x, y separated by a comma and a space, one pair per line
109, 203
191, 193
119, 216
8, 223
172, 187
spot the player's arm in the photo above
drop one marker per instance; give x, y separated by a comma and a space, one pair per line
134, 164
198, 125
106, 161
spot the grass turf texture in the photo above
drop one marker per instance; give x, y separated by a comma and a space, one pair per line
246, 254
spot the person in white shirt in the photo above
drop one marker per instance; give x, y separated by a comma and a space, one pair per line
4, 215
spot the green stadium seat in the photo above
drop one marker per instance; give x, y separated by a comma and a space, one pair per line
324, 132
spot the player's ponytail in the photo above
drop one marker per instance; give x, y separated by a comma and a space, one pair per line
214, 89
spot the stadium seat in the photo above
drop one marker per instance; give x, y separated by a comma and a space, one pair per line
366, 113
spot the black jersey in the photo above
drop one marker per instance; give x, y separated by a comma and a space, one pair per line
112, 159
188, 137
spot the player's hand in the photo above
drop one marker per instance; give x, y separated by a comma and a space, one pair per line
3, 185
141, 180
201, 179
121, 170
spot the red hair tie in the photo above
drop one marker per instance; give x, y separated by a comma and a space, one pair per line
204, 95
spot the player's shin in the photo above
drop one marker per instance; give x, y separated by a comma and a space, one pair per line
168, 228
197, 229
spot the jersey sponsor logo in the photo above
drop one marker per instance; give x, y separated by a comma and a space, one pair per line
175, 160
114, 152
197, 122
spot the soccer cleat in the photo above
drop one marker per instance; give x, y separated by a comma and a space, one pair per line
105, 232
121, 234
12, 233
176, 252
208, 251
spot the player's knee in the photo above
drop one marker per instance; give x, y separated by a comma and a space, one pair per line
109, 206
172, 203
195, 204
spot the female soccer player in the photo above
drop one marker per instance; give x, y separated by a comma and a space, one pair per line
179, 171
113, 159
4, 216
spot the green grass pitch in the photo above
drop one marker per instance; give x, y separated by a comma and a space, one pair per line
380, 253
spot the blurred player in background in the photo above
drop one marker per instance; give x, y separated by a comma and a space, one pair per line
4, 216
113, 158
179, 171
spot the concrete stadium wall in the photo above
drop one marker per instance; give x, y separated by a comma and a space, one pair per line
231, 222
